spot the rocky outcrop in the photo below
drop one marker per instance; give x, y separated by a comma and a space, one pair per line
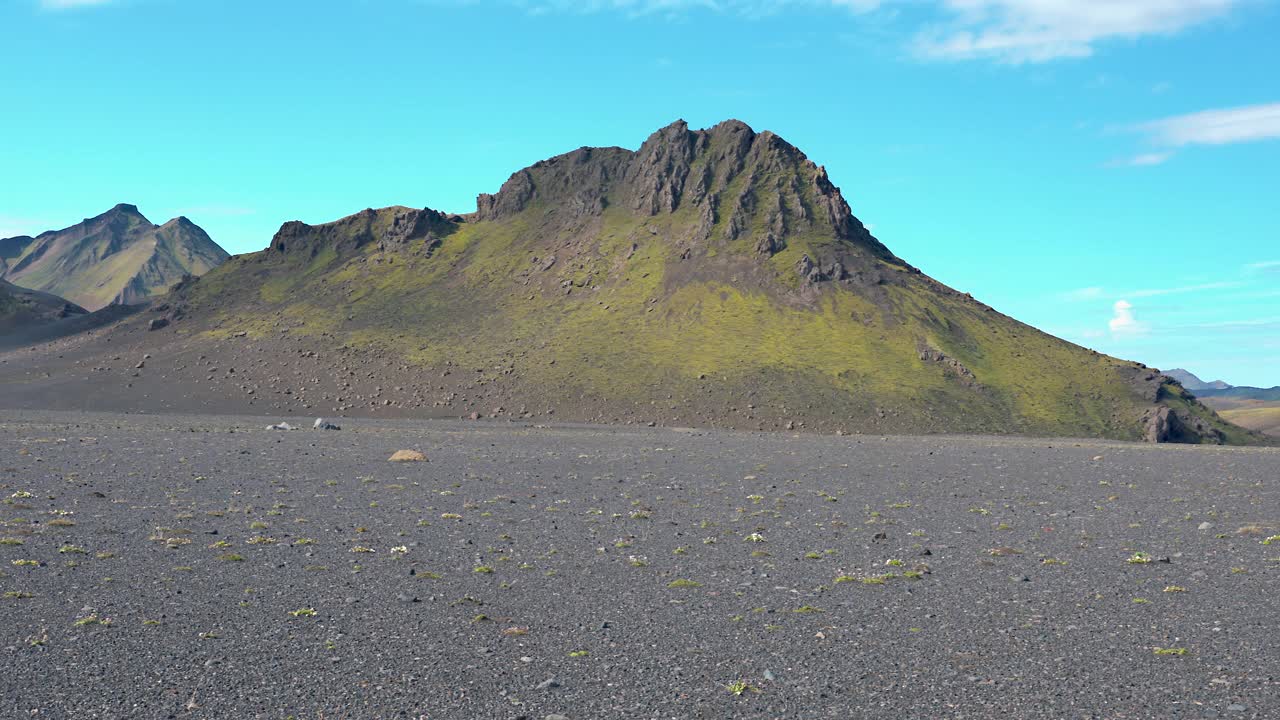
391, 228
744, 186
950, 365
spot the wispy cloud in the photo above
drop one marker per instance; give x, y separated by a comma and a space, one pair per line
1153, 292
1266, 266
1098, 293
69, 4
11, 226
1032, 31
1217, 127
1123, 323
1143, 160
638, 8
1083, 294
214, 211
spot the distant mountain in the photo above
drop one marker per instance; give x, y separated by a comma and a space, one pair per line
117, 257
1241, 392
1189, 381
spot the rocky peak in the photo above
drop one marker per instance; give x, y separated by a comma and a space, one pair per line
742, 185
393, 226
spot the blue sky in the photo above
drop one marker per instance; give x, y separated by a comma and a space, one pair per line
1106, 171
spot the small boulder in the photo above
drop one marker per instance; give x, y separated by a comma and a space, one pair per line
280, 426
158, 323
401, 456
322, 424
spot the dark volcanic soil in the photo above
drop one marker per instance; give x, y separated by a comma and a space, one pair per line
169, 567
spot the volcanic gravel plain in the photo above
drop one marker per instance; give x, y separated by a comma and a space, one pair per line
171, 566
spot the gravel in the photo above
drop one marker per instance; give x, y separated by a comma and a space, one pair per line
588, 572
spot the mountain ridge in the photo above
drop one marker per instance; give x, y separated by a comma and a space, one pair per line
117, 257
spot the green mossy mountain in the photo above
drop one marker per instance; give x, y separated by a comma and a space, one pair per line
118, 257
712, 277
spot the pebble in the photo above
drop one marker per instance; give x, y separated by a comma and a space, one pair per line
406, 598
1206, 525
1237, 707
554, 716
548, 684
768, 675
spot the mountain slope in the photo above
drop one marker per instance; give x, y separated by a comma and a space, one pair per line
710, 278
21, 308
117, 257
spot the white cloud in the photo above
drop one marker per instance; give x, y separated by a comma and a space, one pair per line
1267, 266
1217, 127
1019, 31
68, 4
1144, 160
755, 8
1153, 292
11, 226
1083, 294
1123, 323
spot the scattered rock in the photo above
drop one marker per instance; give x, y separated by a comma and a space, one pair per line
548, 684
158, 323
401, 456
280, 426
1205, 526
322, 424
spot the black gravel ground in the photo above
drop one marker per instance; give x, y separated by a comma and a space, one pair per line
203, 567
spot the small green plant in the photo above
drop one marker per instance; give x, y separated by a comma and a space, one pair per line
1170, 651
579, 653
754, 537
303, 612
231, 557
361, 549
739, 688
1175, 589
10, 541
682, 583
27, 563
1139, 558
483, 569
1271, 539
17, 595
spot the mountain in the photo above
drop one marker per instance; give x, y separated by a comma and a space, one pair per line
1193, 383
710, 278
117, 257
21, 308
